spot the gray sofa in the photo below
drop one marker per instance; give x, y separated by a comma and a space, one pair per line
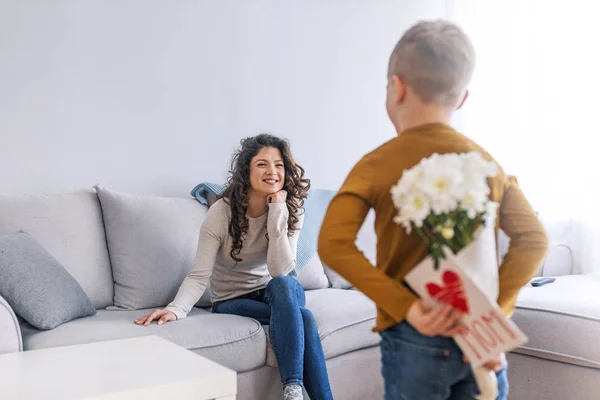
98, 237
99, 241
562, 321
562, 358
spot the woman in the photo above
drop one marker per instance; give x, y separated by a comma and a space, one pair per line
247, 247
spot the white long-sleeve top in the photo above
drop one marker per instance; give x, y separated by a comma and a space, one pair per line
262, 258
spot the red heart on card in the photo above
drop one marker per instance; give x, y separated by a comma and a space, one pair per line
452, 292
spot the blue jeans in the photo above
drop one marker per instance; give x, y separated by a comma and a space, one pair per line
417, 367
293, 333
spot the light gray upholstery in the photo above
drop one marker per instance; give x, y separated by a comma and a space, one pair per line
533, 378
10, 332
263, 383
152, 242
69, 226
562, 320
356, 375
353, 376
344, 319
313, 275
235, 342
559, 261
336, 281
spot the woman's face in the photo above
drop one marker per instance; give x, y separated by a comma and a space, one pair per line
267, 171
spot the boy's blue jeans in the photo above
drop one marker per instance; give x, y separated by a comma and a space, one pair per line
418, 367
293, 332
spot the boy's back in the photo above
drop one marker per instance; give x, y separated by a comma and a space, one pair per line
368, 186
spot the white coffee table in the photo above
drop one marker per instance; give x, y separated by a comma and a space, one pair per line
146, 368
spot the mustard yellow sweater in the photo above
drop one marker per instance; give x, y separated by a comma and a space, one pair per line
368, 186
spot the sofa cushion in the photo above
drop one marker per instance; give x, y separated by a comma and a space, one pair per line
313, 275
152, 243
345, 319
36, 286
562, 320
69, 226
236, 342
336, 281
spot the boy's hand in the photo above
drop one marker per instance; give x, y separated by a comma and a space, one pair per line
442, 320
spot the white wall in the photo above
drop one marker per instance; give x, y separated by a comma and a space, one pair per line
152, 96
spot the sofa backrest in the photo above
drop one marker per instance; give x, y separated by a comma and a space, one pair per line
70, 227
152, 243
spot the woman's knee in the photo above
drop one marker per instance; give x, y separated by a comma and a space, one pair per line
282, 284
285, 286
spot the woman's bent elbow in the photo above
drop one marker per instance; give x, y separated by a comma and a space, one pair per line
276, 271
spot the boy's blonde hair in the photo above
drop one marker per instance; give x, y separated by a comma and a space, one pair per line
436, 58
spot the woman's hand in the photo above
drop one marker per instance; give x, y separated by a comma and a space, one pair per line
161, 315
278, 197
442, 320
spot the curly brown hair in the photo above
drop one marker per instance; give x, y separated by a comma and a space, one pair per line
237, 187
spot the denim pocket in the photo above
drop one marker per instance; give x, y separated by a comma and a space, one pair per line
414, 366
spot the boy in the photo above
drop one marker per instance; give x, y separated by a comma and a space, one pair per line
428, 74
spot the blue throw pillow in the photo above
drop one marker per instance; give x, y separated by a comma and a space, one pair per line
37, 286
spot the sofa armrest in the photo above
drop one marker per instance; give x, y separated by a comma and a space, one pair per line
10, 331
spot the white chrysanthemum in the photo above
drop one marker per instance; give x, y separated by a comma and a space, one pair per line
475, 161
475, 190
406, 186
410, 179
441, 184
415, 207
476, 170
473, 203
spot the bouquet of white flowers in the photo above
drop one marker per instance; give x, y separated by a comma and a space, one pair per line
445, 198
